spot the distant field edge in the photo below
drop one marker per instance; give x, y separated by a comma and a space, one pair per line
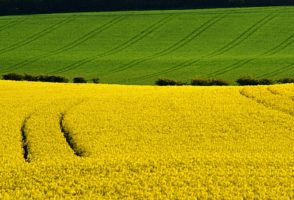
12, 7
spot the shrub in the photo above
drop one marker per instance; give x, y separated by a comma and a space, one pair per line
247, 81
286, 80
199, 82
13, 76
208, 82
28, 77
219, 82
265, 81
165, 82
54, 79
57, 79
180, 83
95, 80
79, 80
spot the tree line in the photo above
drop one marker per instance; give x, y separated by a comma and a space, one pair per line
8, 7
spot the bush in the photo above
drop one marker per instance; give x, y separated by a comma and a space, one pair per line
53, 79
208, 82
251, 81
265, 81
165, 82
13, 76
79, 80
286, 80
28, 77
247, 81
219, 82
95, 80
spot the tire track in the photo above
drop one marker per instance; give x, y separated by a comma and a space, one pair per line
265, 104
284, 44
10, 24
287, 42
245, 35
67, 135
139, 36
185, 40
89, 35
35, 36
69, 138
274, 92
119, 48
68, 46
25, 145
63, 130
278, 71
232, 44
230, 68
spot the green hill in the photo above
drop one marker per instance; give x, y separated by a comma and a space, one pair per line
139, 47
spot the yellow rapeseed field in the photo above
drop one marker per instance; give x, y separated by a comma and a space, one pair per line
86, 141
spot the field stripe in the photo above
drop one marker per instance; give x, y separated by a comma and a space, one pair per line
68, 46
119, 48
191, 36
36, 36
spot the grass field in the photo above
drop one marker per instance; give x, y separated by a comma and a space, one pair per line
145, 142
139, 47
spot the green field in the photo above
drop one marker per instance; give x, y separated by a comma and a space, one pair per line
139, 47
